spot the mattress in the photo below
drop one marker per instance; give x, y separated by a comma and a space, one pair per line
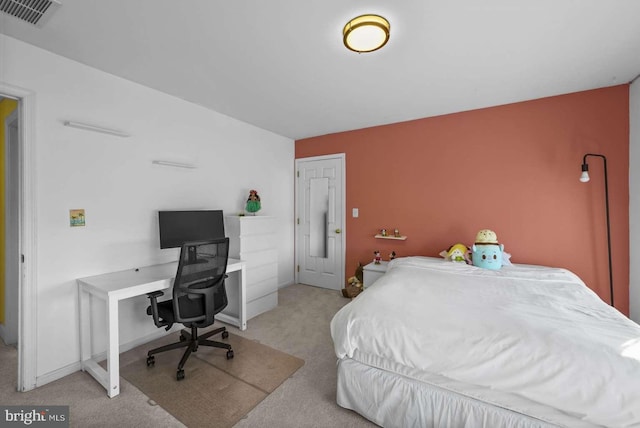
529, 333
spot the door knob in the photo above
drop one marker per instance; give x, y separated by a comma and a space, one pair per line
338, 230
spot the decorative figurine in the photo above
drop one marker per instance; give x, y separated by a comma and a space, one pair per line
377, 257
253, 202
383, 232
396, 233
392, 255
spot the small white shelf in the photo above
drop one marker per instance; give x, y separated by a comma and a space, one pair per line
397, 238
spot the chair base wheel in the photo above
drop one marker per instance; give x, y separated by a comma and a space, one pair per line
225, 334
180, 375
151, 361
229, 354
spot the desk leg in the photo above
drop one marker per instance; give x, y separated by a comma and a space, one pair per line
113, 349
84, 300
242, 296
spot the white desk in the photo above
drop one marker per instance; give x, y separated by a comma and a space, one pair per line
116, 286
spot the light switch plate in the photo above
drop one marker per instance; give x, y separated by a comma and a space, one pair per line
355, 213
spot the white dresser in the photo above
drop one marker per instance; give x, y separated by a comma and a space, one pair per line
253, 240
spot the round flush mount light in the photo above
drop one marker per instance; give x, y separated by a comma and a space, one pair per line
366, 33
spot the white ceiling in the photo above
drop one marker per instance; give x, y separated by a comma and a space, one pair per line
281, 64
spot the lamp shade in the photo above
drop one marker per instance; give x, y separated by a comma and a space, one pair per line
366, 33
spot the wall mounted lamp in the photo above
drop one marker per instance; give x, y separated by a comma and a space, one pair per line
94, 128
584, 177
366, 33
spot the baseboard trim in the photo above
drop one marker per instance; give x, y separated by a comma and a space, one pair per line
286, 284
74, 367
124, 347
57, 374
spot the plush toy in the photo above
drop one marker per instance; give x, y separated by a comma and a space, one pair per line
360, 273
456, 253
377, 257
487, 252
354, 284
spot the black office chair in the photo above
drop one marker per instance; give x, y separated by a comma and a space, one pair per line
198, 294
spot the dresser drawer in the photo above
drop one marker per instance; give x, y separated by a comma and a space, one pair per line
257, 242
262, 304
260, 289
259, 258
262, 273
257, 225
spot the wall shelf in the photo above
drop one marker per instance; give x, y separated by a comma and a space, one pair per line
397, 238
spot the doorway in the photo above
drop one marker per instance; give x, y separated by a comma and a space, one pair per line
21, 255
320, 219
9, 222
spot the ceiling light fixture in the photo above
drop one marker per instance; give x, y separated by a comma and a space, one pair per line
366, 33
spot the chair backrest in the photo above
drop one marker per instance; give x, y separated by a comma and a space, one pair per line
198, 290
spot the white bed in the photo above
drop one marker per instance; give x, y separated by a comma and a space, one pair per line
440, 344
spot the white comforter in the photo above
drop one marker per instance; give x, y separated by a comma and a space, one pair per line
529, 330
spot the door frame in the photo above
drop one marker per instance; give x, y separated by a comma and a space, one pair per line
11, 224
343, 214
27, 233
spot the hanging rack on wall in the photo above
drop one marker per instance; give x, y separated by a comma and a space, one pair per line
95, 128
173, 164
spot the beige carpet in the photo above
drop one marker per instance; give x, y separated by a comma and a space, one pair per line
298, 326
215, 392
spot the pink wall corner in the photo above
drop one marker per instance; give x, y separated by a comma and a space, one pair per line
513, 169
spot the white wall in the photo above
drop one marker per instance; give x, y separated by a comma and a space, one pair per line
634, 201
114, 180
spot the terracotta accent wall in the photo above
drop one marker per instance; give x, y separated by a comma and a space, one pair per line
513, 169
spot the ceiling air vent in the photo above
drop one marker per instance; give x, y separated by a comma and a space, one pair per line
35, 12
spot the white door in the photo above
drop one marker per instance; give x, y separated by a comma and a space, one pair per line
320, 218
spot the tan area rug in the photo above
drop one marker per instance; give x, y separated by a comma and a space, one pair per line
215, 392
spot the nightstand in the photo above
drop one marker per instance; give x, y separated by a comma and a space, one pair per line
372, 272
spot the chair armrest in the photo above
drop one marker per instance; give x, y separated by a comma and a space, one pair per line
155, 294
153, 309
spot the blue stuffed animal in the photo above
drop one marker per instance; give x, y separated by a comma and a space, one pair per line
487, 252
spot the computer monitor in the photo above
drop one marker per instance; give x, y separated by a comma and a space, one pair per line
178, 227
